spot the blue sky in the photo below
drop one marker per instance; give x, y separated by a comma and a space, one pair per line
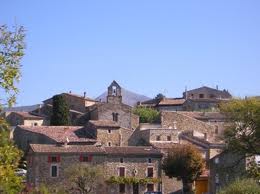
147, 46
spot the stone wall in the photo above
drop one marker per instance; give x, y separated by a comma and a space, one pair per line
23, 138
125, 135
104, 137
225, 168
183, 123
106, 110
39, 169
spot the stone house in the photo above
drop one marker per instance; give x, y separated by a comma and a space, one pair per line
114, 109
25, 135
23, 118
206, 93
224, 168
106, 132
164, 104
48, 163
74, 101
204, 98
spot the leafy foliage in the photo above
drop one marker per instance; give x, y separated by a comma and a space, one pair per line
243, 133
184, 162
60, 111
159, 97
85, 178
131, 180
147, 115
10, 156
245, 186
11, 52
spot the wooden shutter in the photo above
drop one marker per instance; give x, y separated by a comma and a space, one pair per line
89, 158
81, 158
49, 158
58, 158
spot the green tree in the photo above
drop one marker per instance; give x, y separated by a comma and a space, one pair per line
12, 47
10, 156
60, 111
245, 186
147, 115
85, 178
242, 135
159, 97
183, 162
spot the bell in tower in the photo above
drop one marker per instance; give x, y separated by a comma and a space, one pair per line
114, 93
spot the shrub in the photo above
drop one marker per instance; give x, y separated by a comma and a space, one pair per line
245, 186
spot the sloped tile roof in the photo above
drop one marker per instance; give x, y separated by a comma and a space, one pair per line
58, 133
171, 101
27, 115
48, 148
104, 123
132, 150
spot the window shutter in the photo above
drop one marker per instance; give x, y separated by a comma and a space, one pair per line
81, 158
49, 159
58, 158
89, 158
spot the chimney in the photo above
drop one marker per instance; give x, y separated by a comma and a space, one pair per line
70, 91
186, 97
216, 87
85, 94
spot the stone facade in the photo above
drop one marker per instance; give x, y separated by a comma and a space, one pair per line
23, 118
224, 168
107, 133
182, 122
134, 160
75, 102
114, 109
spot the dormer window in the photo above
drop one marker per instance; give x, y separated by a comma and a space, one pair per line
113, 90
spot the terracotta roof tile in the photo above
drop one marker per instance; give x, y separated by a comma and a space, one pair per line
127, 151
171, 101
48, 148
58, 133
27, 115
104, 123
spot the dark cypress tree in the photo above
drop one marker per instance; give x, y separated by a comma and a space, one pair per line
60, 111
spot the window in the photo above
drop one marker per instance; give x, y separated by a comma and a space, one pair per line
169, 138
121, 160
85, 158
109, 144
109, 130
122, 171
201, 95
53, 159
158, 138
115, 116
150, 187
121, 188
216, 129
149, 160
54, 171
149, 172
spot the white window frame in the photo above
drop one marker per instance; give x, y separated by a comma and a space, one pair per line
147, 172
51, 170
118, 171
